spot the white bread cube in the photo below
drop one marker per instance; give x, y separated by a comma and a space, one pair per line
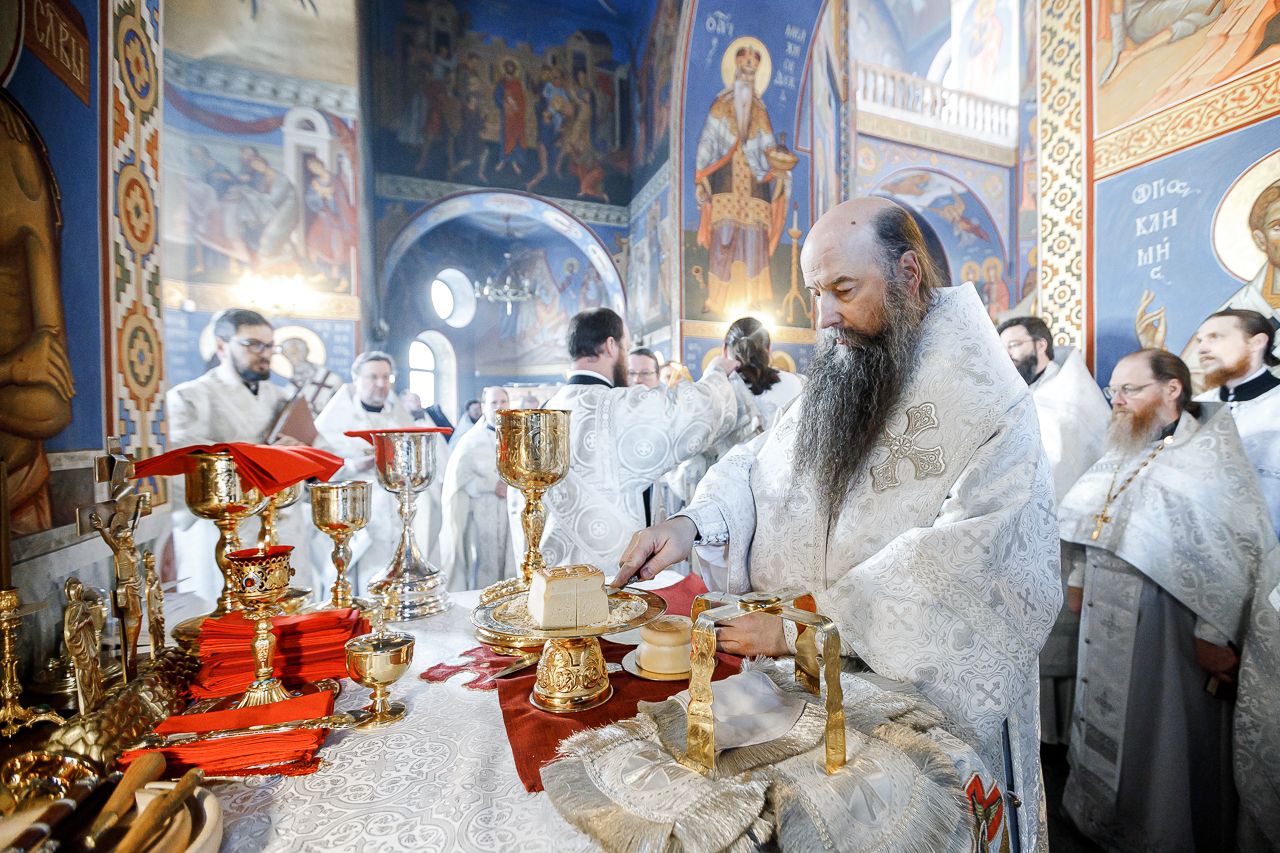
568, 597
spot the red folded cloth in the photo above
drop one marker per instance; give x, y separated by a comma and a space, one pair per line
679, 596
367, 434
265, 467
535, 735
290, 753
309, 646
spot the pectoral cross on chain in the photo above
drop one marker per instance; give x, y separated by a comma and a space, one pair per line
927, 461
1100, 519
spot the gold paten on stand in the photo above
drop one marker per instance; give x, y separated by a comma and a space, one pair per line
533, 455
260, 579
794, 605
571, 672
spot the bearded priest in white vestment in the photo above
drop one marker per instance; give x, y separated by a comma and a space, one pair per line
475, 538
621, 440
1073, 418
1169, 529
368, 402
907, 489
233, 402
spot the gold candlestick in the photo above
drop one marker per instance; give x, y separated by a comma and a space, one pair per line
260, 580
13, 715
286, 497
339, 510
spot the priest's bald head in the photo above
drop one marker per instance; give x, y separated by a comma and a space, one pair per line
871, 280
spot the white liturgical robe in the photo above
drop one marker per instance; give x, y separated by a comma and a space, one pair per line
475, 539
1177, 557
373, 547
941, 571
1258, 421
620, 441
1073, 418
218, 407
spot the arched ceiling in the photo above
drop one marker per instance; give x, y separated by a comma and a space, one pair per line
308, 39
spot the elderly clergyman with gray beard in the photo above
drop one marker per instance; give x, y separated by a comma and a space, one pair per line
907, 489
1165, 537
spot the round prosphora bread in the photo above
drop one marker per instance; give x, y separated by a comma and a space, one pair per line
665, 645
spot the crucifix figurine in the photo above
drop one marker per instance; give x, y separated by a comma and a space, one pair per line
116, 521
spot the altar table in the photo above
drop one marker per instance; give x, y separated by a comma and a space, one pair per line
441, 779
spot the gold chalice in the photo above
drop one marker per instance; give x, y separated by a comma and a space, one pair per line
406, 464
533, 455
377, 660
339, 510
260, 579
214, 491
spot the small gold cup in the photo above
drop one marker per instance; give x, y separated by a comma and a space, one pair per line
214, 491
260, 579
377, 660
339, 510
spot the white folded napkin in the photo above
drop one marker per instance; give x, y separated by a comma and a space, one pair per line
749, 709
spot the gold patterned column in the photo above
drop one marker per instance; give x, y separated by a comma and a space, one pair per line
130, 46
1063, 221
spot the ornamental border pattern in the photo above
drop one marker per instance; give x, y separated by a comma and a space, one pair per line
1226, 108
214, 78
1062, 214
408, 188
132, 116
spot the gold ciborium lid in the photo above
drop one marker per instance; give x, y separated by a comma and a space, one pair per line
260, 577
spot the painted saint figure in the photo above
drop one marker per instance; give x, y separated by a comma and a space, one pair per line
742, 199
509, 95
36, 384
1263, 293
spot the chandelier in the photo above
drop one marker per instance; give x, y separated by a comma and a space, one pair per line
508, 287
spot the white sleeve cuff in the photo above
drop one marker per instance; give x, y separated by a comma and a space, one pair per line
1205, 631
712, 528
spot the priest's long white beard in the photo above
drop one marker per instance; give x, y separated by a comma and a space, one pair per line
743, 92
855, 383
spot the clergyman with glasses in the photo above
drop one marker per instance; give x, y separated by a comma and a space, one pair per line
234, 401
1164, 537
1073, 417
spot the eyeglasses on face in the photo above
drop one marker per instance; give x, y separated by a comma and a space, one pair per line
636, 374
1125, 391
257, 347
1010, 346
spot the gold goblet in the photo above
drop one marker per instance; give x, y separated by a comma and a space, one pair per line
214, 491
377, 660
339, 510
260, 579
406, 464
533, 455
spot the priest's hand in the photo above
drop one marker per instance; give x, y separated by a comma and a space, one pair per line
501, 489
1219, 661
753, 634
654, 548
1075, 599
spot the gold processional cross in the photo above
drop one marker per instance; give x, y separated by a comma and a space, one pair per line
927, 461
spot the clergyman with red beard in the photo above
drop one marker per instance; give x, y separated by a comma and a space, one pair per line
907, 489
1167, 533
